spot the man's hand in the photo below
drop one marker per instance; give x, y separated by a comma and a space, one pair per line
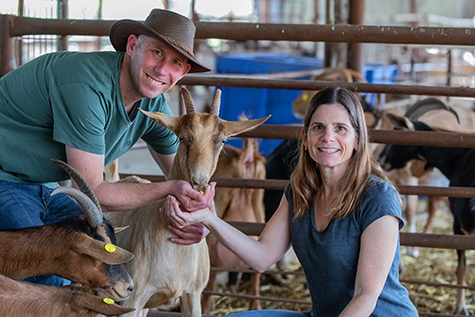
192, 200
193, 232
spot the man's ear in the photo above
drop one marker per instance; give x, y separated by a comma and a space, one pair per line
132, 41
187, 69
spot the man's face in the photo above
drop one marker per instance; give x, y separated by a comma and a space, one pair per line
155, 66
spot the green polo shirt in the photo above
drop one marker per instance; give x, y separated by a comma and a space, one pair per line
70, 98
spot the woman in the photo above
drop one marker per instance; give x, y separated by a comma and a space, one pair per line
340, 213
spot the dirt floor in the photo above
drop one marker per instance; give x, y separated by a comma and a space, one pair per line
432, 265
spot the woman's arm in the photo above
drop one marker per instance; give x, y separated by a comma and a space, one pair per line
378, 246
259, 254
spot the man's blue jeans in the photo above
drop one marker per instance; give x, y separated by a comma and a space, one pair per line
26, 205
271, 313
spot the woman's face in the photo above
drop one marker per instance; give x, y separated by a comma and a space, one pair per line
331, 138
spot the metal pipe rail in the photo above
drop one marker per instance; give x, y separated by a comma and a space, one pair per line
301, 273
279, 184
235, 81
423, 138
273, 299
424, 240
268, 31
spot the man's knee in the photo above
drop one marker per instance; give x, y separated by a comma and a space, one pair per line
50, 280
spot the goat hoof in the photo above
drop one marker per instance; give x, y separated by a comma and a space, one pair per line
462, 311
413, 252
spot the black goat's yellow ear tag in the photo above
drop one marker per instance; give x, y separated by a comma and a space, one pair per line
110, 247
108, 300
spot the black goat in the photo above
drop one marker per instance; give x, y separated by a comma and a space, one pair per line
458, 165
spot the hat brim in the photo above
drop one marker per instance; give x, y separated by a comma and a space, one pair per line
121, 30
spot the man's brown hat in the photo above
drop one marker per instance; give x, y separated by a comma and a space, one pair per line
168, 26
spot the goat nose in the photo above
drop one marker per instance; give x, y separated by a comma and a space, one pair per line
199, 181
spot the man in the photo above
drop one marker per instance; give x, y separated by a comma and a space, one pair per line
83, 108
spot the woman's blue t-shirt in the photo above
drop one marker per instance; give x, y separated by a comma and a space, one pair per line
329, 258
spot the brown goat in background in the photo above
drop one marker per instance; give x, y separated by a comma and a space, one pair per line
237, 204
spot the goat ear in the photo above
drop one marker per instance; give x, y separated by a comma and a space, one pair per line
248, 149
417, 168
235, 127
401, 122
85, 300
107, 253
169, 122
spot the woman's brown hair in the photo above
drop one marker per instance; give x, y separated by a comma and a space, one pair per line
306, 180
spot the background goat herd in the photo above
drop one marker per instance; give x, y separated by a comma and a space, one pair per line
147, 271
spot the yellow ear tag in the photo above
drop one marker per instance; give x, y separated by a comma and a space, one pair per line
304, 97
159, 113
108, 300
110, 247
202, 192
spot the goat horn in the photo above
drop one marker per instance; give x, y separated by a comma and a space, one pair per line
190, 107
425, 105
93, 215
216, 102
83, 187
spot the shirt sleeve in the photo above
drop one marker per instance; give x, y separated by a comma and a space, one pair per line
379, 200
159, 138
79, 117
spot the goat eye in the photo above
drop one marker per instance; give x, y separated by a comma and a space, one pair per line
181, 140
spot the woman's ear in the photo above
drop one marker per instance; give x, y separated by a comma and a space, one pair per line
304, 138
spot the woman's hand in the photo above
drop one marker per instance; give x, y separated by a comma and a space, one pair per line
188, 235
179, 218
185, 225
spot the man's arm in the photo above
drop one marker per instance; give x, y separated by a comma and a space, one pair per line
164, 161
123, 196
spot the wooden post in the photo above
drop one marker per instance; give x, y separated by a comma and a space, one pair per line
356, 50
62, 41
6, 44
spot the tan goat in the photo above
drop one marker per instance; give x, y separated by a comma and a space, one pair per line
237, 204
164, 272
18, 298
330, 74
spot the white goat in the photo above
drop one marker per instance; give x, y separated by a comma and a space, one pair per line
162, 271
18, 298
74, 248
